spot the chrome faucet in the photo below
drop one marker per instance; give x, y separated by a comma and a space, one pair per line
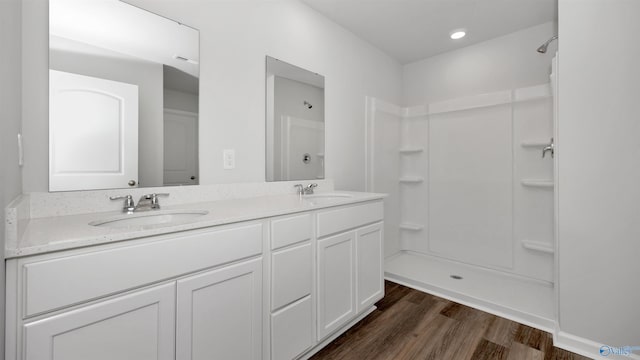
147, 202
305, 190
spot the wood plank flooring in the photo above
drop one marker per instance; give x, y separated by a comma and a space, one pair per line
410, 324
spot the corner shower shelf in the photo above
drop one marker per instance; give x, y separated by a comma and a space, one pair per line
411, 227
541, 183
534, 144
538, 246
411, 179
409, 150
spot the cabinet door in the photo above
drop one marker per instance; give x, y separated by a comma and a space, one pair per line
219, 314
136, 326
369, 264
336, 282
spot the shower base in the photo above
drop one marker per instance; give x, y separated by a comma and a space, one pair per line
527, 301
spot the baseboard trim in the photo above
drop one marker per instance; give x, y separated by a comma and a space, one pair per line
586, 347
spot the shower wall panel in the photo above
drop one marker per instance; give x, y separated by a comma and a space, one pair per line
383, 165
471, 186
533, 206
413, 196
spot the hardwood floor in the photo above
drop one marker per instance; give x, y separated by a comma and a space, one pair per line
410, 324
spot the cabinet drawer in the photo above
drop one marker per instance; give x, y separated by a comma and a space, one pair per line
290, 230
291, 275
334, 221
56, 283
291, 330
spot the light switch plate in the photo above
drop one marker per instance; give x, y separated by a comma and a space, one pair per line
228, 159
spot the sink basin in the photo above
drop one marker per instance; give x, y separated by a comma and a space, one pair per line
325, 198
150, 219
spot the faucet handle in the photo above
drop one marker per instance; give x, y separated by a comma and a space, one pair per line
154, 199
312, 185
129, 205
128, 197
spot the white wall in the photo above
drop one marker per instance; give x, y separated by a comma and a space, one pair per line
505, 62
235, 37
148, 77
10, 99
599, 170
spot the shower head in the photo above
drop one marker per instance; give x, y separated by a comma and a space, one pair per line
543, 48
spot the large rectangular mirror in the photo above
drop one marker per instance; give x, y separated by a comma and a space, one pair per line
123, 97
295, 122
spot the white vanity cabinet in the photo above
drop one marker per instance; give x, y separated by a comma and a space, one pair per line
275, 288
350, 273
103, 302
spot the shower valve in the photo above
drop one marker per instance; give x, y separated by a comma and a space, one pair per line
549, 147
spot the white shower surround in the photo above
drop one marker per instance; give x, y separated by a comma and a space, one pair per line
404, 148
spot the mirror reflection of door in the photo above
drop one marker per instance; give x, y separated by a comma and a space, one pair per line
180, 147
93, 138
295, 123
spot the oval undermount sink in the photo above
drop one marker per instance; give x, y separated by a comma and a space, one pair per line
327, 196
324, 198
148, 219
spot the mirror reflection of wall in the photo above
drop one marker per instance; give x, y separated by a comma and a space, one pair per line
123, 97
295, 123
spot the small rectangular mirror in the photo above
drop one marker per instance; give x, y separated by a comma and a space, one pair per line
295, 122
123, 97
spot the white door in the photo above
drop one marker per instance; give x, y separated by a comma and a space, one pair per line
219, 314
180, 147
302, 149
93, 133
369, 264
136, 326
336, 282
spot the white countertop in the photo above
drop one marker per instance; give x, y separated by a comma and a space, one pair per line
48, 234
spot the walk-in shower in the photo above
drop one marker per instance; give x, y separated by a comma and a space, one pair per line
470, 212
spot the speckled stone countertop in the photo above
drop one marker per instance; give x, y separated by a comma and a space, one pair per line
55, 233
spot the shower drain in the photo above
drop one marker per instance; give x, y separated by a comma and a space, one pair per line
457, 277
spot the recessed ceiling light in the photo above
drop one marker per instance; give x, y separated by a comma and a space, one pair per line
458, 34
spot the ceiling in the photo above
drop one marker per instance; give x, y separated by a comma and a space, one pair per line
411, 30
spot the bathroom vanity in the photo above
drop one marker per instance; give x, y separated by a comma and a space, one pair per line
271, 277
